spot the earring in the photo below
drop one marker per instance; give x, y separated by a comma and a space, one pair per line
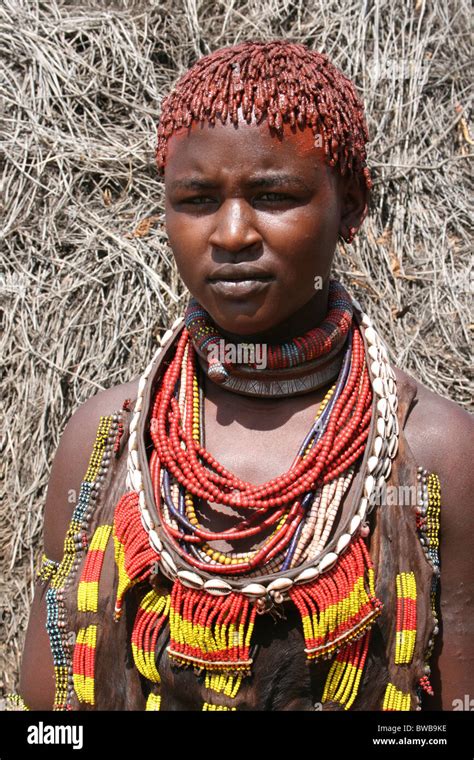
350, 236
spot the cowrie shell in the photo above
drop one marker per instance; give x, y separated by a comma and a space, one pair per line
307, 575
189, 579
369, 485
255, 590
371, 336
372, 463
217, 587
280, 584
327, 562
155, 540
378, 386
343, 542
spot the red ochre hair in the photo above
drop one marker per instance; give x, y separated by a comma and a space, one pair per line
279, 81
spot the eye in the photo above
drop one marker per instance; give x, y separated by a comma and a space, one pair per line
198, 200
274, 197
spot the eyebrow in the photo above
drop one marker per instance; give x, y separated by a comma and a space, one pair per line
264, 180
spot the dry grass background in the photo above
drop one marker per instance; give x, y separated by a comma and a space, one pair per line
88, 282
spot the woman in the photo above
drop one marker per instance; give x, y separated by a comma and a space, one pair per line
257, 525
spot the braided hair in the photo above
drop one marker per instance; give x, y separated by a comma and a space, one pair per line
280, 81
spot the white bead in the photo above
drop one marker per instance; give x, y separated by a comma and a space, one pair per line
141, 385
176, 322
387, 469
327, 562
133, 442
381, 427
128, 482
138, 404
356, 303
368, 485
155, 540
343, 542
141, 500
366, 320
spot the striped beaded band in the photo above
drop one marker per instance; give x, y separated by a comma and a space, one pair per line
315, 343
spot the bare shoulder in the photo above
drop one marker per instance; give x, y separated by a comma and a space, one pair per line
71, 460
437, 429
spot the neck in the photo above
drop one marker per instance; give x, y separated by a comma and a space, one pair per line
306, 318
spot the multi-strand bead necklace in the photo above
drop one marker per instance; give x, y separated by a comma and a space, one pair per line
183, 472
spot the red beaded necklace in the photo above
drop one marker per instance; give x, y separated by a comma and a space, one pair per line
279, 500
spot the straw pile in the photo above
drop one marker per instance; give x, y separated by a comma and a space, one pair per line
88, 282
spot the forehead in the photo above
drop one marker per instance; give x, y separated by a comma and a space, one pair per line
242, 149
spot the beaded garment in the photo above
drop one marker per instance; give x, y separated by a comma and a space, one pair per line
127, 617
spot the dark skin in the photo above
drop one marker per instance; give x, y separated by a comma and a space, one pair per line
290, 236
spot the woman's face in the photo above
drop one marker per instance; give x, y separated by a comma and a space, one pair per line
253, 220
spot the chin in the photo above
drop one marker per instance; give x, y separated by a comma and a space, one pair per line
248, 317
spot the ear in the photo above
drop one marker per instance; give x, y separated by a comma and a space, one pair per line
354, 205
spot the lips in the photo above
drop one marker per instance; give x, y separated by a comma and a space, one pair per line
244, 288
239, 273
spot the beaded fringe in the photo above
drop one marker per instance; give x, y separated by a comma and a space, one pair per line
151, 616
406, 618
337, 608
84, 663
395, 699
15, 703
134, 556
88, 589
211, 633
343, 679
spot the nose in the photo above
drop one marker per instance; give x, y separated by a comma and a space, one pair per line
234, 226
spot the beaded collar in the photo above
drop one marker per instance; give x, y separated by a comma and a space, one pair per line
381, 448
306, 363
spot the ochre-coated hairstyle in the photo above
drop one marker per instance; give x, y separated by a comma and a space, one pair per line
279, 81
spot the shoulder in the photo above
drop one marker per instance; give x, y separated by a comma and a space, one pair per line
71, 460
439, 431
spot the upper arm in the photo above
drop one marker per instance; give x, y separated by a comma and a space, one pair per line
441, 436
37, 681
